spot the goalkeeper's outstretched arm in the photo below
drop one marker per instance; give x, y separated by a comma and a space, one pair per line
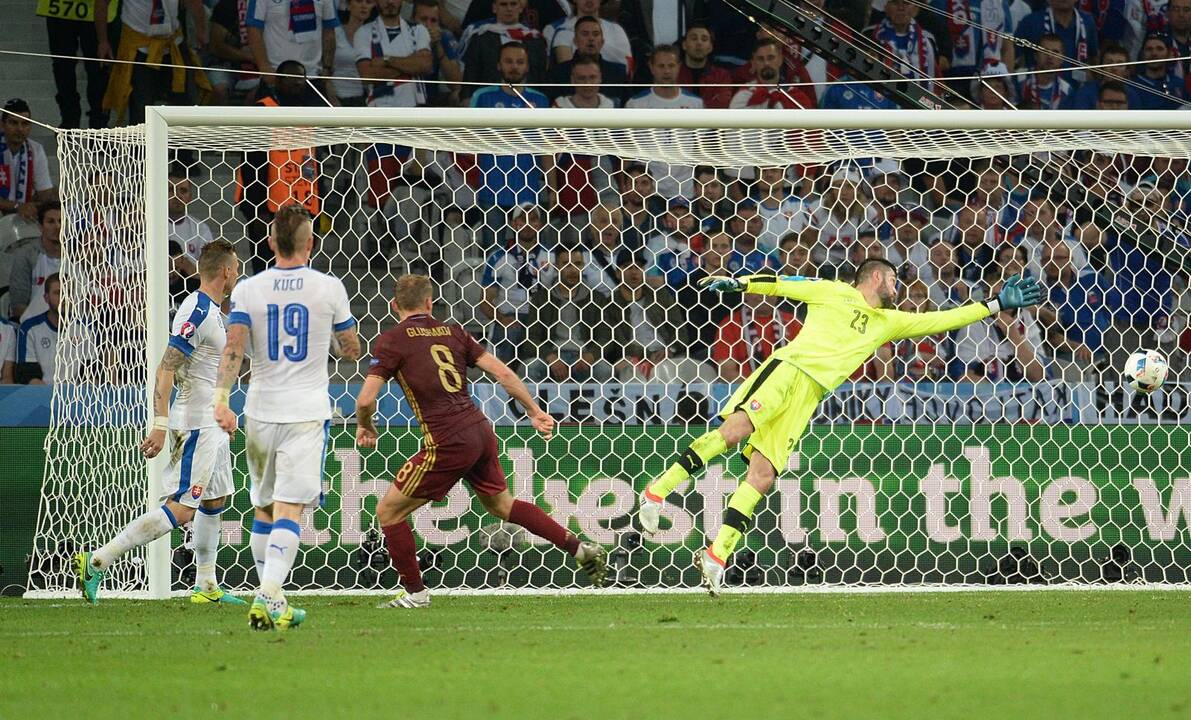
1016, 293
163, 387
795, 287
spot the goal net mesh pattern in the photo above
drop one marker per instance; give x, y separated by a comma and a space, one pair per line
1011, 451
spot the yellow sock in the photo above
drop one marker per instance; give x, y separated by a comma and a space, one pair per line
701, 451
736, 520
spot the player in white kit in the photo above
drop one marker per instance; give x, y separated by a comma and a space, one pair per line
198, 481
290, 313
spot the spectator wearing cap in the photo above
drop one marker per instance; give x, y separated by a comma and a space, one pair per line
749, 335
482, 43
843, 212
560, 37
1004, 347
672, 254
72, 38
1114, 61
1076, 28
981, 41
642, 315
711, 204
568, 318
1076, 312
903, 37
941, 273
152, 37
604, 252
746, 227
24, 169
781, 207
1046, 89
922, 359
589, 43
698, 71
511, 180
511, 275
34, 264
764, 91
994, 91
1157, 86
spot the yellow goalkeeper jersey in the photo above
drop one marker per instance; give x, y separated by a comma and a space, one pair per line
842, 330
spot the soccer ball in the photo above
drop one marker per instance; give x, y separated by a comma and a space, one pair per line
1145, 370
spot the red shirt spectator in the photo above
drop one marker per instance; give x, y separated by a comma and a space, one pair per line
698, 70
750, 335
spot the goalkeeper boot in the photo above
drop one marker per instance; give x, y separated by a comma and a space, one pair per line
592, 559
712, 570
198, 596
649, 512
406, 599
89, 577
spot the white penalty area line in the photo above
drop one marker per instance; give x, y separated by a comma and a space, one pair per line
664, 591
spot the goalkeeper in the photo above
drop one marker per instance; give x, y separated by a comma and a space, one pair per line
844, 325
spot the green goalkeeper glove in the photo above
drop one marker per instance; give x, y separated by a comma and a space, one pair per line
1017, 292
721, 283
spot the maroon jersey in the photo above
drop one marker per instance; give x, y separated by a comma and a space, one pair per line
430, 359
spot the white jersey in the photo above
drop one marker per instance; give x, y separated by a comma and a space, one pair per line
291, 314
8, 343
198, 332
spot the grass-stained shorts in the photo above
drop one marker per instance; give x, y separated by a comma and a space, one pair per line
780, 400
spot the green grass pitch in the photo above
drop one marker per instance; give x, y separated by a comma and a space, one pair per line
1049, 654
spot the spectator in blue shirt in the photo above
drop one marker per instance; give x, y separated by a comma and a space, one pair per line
1076, 313
511, 275
444, 49
745, 227
510, 180
1076, 28
1160, 88
1140, 277
1114, 57
854, 97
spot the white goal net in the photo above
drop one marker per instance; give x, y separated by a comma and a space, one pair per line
570, 243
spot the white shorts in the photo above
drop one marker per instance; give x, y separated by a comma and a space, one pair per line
200, 466
285, 460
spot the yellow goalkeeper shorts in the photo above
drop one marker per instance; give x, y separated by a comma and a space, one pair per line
779, 400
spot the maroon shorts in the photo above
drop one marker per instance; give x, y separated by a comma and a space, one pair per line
470, 454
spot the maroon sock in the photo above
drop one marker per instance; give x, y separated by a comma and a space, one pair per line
539, 523
399, 539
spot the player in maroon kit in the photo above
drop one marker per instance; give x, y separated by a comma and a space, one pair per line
430, 360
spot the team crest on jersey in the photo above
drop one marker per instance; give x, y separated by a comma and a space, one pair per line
187, 330
196, 492
755, 405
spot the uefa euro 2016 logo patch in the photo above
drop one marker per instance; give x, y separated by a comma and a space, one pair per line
755, 405
196, 492
187, 330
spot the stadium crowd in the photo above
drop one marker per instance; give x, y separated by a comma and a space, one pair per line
592, 264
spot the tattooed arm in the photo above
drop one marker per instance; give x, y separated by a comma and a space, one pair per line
347, 344
164, 386
229, 370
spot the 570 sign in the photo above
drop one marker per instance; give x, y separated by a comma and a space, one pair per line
81, 10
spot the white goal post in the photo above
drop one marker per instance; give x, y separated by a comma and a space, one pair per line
932, 467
